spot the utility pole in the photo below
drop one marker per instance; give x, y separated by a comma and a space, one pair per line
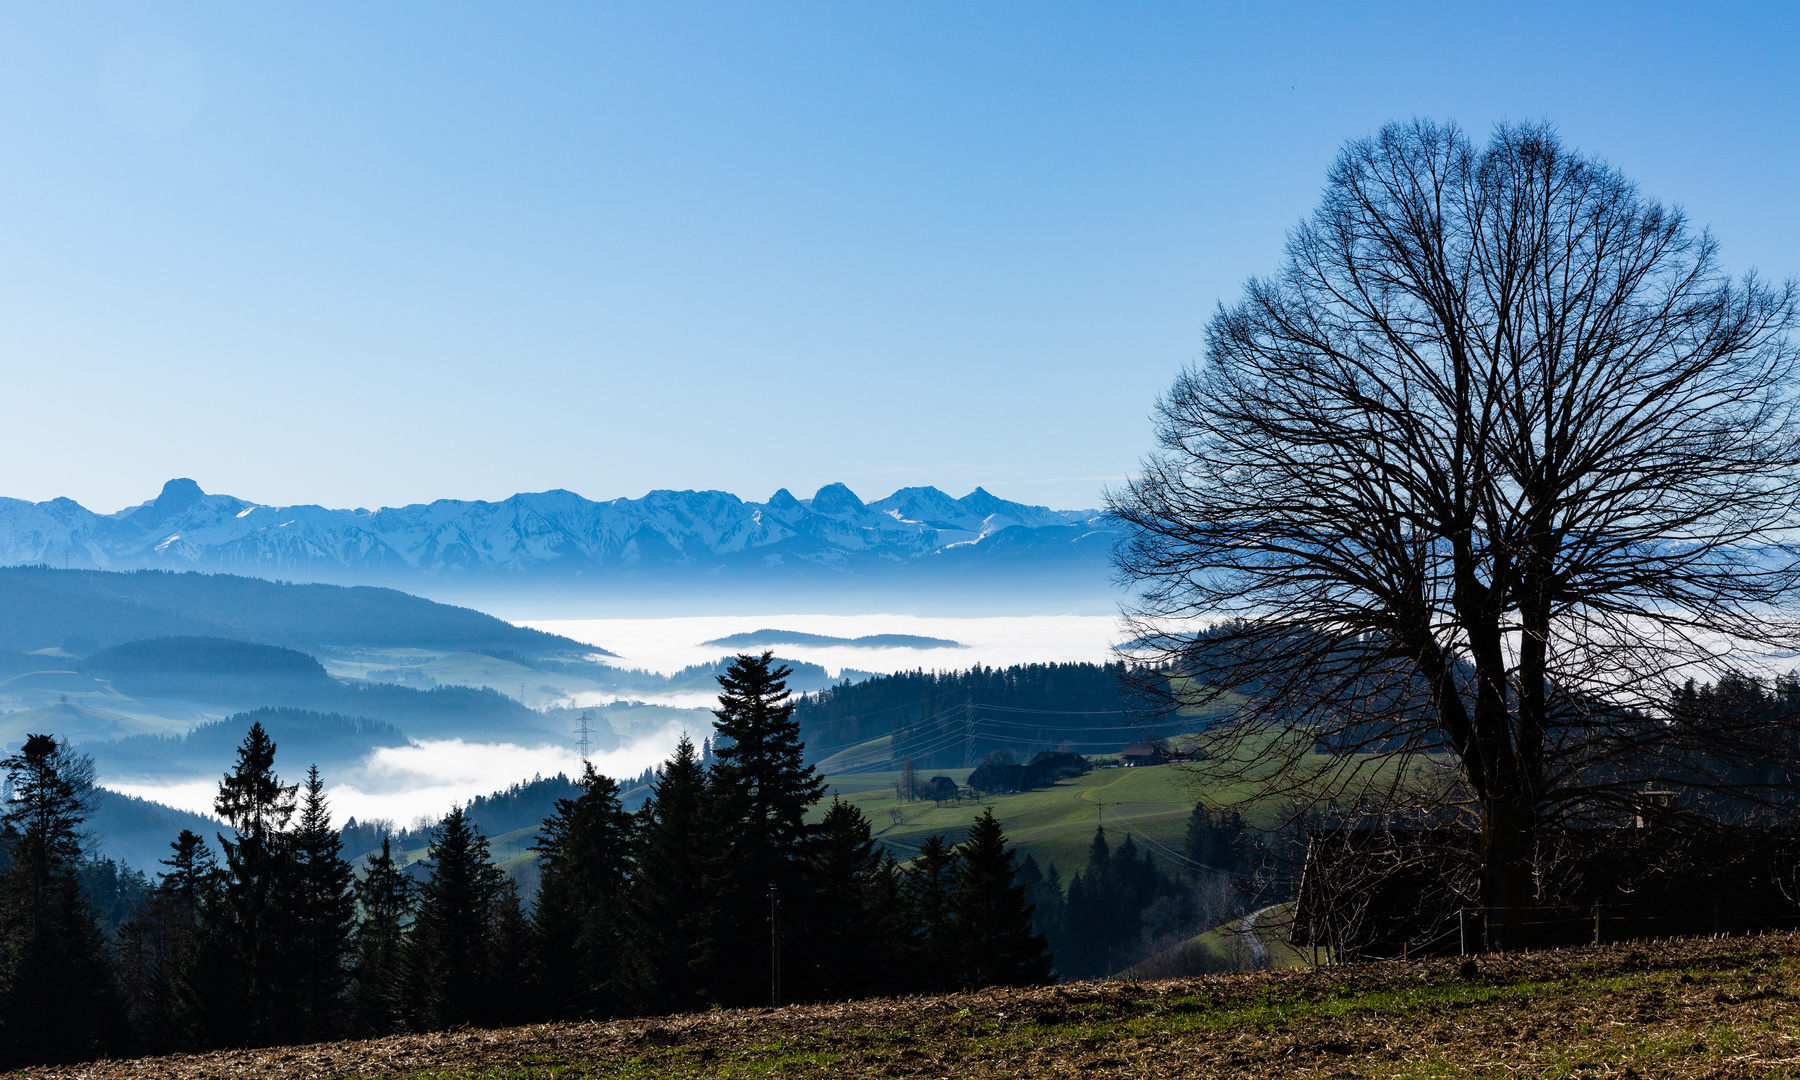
774, 946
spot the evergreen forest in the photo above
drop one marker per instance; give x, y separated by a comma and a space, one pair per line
723, 888
952, 719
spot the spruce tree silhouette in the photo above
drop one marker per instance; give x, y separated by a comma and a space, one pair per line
250, 997
451, 942
929, 881
378, 989
324, 914
58, 1002
759, 793
996, 945
1105, 907
160, 950
669, 906
850, 954
585, 854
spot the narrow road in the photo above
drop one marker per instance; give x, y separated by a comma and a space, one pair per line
1257, 948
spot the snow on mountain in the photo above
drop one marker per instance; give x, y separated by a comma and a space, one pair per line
558, 533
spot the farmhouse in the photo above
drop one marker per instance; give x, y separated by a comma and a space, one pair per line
1141, 753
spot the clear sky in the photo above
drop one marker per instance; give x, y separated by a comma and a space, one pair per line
375, 253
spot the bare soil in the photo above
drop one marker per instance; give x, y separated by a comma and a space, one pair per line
1692, 1008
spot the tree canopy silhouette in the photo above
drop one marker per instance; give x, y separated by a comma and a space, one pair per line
1497, 450
57, 997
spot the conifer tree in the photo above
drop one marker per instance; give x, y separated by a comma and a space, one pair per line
1106, 904
114, 890
193, 874
160, 950
324, 913
451, 942
929, 881
891, 926
761, 765
379, 985
585, 854
510, 961
58, 1002
1212, 842
1044, 892
996, 945
759, 793
844, 925
252, 997
669, 906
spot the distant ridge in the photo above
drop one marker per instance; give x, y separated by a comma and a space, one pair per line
709, 540
757, 638
80, 612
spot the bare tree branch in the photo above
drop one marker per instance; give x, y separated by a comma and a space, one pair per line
1496, 455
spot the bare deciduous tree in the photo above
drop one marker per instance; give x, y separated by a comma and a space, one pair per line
1496, 453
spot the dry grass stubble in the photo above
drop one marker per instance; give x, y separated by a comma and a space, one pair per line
1696, 1008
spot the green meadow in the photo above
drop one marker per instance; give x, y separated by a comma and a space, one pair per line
1053, 824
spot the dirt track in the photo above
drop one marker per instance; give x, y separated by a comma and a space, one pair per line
1703, 1008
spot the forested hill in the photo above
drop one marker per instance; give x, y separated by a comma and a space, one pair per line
85, 610
949, 719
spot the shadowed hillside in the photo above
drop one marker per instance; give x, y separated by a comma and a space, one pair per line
86, 610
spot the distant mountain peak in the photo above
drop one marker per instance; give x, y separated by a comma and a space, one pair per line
784, 503
980, 501
177, 495
834, 500
663, 536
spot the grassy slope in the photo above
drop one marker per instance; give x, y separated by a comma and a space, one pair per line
1703, 1008
1229, 947
1053, 824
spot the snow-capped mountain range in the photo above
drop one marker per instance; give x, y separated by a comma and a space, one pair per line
664, 536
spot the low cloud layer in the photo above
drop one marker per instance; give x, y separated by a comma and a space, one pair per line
668, 645
424, 779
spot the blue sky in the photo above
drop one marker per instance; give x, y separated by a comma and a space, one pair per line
364, 254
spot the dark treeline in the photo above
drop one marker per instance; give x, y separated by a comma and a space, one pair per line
524, 805
1741, 736
665, 908
1125, 904
951, 719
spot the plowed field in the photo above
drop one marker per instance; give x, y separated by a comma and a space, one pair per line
1698, 1008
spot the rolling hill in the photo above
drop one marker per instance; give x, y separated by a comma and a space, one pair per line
82, 611
1054, 824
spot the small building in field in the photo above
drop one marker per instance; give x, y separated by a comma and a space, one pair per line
942, 789
1049, 766
1141, 753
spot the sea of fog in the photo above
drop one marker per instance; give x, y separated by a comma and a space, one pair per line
668, 645
420, 782
423, 780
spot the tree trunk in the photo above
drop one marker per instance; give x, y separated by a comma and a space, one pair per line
1507, 834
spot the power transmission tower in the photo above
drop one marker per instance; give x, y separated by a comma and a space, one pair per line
584, 731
